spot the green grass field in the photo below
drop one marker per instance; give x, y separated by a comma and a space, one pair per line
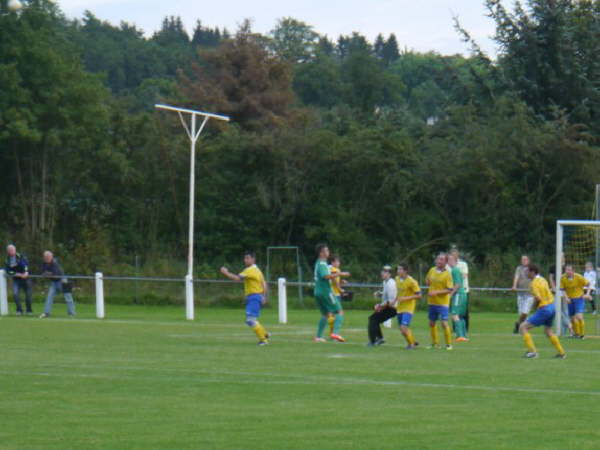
146, 378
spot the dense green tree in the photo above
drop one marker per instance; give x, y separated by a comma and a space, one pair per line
549, 55
52, 122
206, 36
379, 45
390, 51
121, 54
319, 82
293, 40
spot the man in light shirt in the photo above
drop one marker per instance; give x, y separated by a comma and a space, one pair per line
522, 282
591, 276
384, 310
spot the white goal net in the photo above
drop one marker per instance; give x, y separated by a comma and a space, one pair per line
577, 245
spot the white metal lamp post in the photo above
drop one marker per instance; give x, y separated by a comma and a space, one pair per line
193, 133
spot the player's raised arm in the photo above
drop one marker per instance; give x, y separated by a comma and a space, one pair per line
335, 275
232, 276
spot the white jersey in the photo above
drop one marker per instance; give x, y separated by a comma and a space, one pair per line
464, 270
389, 292
591, 278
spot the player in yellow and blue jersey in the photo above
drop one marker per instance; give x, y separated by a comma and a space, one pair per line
255, 290
573, 285
544, 315
408, 294
441, 288
337, 289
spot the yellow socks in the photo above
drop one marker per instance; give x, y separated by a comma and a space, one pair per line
579, 327
409, 338
575, 325
260, 331
447, 335
435, 340
529, 342
556, 344
331, 321
553, 339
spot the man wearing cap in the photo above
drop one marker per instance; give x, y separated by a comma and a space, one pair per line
384, 310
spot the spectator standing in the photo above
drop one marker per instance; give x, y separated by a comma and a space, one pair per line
52, 270
17, 267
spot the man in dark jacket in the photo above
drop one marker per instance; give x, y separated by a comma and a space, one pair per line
58, 283
17, 267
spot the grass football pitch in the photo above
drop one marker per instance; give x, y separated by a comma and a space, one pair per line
146, 378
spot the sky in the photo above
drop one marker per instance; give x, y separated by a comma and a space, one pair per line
419, 25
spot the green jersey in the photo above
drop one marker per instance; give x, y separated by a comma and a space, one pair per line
458, 303
457, 278
322, 284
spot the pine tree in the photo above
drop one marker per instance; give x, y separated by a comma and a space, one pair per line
379, 46
390, 52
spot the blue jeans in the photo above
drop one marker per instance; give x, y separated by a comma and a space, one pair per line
56, 286
19, 284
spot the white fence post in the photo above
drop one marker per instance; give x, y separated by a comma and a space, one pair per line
99, 295
189, 297
3, 294
282, 294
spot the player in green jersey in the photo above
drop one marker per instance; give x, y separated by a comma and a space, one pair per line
324, 296
458, 302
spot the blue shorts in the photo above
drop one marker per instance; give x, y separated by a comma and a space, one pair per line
438, 312
253, 305
543, 316
577, 306
404, 318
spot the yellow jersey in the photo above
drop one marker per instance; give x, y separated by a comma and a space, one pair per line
335, 282
573, 286
253, 280
439, 281
407, 287
541, 291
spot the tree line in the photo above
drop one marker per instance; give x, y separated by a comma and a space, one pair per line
387, 154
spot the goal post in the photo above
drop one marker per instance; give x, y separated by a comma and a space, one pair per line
577, 242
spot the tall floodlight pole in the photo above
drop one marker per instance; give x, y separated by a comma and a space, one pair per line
193, 134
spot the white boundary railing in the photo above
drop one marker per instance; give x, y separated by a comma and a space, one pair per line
3, 294
99, 278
